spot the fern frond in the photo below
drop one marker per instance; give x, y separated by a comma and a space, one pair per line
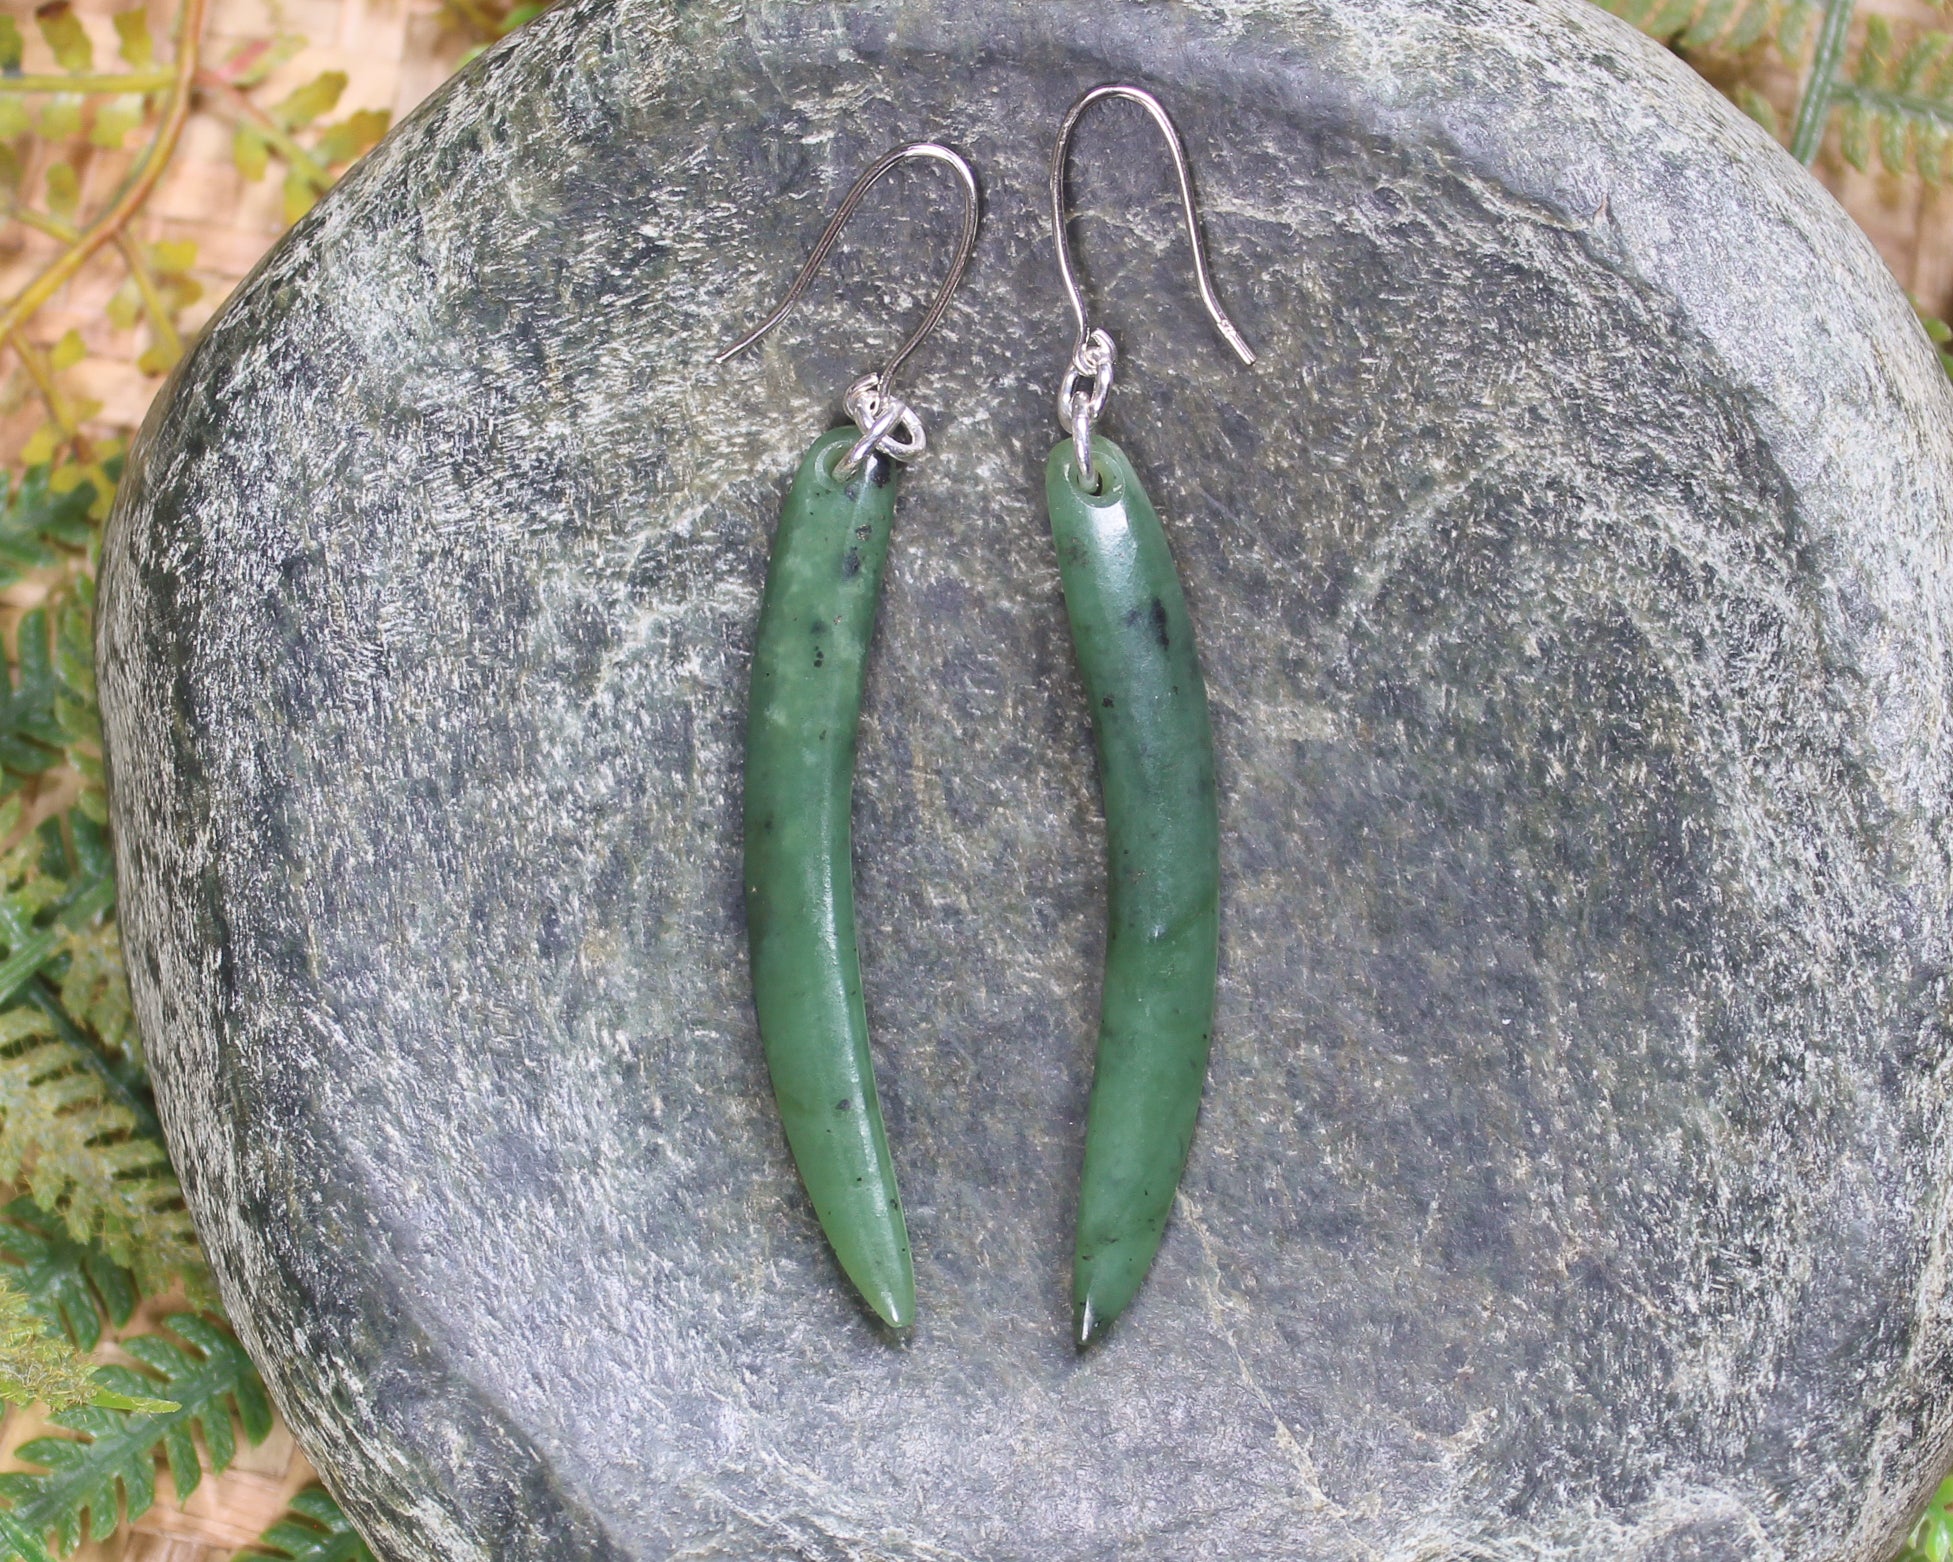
37, 523
314, 1531
25, 1545
48, 712
95, 987
73, 1286
1724, 28
35, 1363
81, 1156
1855, 135
1897, 104
1800, 26
124, 1079
28, 893
84, 1482
1874, 66
72, 1131
30, 737
1759, 108
1922, 70
75, 710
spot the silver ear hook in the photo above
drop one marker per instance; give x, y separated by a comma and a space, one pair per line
888, 425
1088, 379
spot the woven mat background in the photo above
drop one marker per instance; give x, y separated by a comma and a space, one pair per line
394, 53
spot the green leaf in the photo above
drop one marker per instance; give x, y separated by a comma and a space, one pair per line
85, 1480
95, 989
82, 1155
1894, 144
1917, 67
1796, 30
124, 1079
1855, 136
1670, 17
352, 136
36, 1364
72, 1286
1932, 1537
113, 122
65, 35
124, 307
74, 654
36, 522
300, 196
315, 1530
94, 853
70, 1133
1759, 108
318, 96
251, 152
10, 44
132, 27
47, 705
60, 117
173, 257
1709, 25
24, 1543
1875, 55
1751, 26
1930, 143
63, 189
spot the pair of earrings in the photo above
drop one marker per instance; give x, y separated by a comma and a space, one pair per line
1135, 651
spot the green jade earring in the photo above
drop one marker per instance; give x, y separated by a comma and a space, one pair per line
1135, 650
817, 617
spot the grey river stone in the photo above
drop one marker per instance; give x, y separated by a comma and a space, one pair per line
1573, 584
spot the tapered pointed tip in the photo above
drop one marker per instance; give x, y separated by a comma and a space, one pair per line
897, 1313
893, 1302
1104, 1280
1089, 1325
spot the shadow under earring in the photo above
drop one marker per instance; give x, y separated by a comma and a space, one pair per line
817, 618
1135, 650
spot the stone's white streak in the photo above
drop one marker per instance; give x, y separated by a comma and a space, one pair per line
1571, 581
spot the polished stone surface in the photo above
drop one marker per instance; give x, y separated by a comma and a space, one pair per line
1573, 586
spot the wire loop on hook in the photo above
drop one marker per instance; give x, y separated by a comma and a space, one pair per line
879, 418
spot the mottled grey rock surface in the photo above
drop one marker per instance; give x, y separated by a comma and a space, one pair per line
1573, 585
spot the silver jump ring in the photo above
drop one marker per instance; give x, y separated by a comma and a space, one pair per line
1092, 362
879, 418
1079, 420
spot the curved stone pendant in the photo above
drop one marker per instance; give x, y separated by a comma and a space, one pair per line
823, 583
1135, 649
